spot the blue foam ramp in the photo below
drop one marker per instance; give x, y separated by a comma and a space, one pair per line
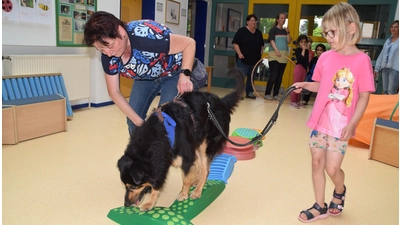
221, 167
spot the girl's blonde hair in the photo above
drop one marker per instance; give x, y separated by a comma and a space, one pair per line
340, 16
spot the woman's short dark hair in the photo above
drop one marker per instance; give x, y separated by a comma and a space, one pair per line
251, 16
101, 25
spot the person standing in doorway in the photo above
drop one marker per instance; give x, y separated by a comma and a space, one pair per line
279, 38
249, 45
388, 62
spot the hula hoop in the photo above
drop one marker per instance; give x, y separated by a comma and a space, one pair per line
255, 66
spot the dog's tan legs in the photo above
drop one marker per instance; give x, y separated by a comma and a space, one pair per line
198, 166
203, 170
187, 183
151, 202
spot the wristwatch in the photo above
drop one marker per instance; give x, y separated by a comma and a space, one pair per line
187, 72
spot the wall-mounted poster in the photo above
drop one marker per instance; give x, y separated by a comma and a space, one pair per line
44, 12
10, 10
71, 17
27, 11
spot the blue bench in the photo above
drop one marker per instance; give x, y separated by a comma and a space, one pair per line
36, 85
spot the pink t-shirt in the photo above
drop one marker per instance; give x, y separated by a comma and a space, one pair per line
342, 78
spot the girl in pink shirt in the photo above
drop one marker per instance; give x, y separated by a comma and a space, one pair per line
344, 80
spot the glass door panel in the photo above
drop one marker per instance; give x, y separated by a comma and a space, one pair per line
266, 11
303, 17
227, 17
310, 23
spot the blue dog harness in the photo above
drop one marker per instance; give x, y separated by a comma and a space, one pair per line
169, 125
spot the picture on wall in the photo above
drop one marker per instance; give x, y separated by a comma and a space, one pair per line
71, 17
172, 11
29, 11
234, 20
233, 24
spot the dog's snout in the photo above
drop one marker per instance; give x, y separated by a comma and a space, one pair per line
127, 204
127, 201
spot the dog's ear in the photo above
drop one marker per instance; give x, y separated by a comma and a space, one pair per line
124, 162
137, 175
125, 167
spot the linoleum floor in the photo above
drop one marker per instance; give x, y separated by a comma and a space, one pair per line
71, 177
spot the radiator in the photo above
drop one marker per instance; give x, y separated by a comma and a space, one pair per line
75, 70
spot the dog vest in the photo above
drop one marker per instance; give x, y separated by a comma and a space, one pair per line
169, 124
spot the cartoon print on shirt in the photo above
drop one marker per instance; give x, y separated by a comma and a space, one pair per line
340, 97
342, 89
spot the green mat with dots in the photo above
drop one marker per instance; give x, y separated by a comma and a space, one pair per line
178, 213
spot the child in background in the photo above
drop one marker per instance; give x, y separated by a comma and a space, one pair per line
311, 54
344, 80
300, 70
319, 49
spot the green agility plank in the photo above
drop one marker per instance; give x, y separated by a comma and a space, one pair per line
180, 212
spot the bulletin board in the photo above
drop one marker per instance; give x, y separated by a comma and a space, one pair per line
71, 17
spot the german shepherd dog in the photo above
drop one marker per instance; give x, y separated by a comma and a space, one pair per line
195, 142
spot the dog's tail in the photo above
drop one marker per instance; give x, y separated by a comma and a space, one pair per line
232, 99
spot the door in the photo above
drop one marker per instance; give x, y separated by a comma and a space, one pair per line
200, 27
303, 17
227, 17
130, 10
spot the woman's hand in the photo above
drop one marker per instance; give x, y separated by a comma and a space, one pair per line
184, 84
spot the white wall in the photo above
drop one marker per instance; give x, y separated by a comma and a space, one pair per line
159, 16
20, 38
41, 39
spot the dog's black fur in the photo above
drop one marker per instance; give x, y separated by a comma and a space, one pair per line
148, 156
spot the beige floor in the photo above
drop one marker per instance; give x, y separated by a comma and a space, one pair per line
72, 178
